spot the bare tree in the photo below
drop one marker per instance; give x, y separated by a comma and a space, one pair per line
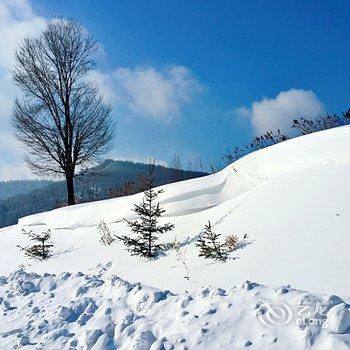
199, 164
62, 120
189, 164
176, 166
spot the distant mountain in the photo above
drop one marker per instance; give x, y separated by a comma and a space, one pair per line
112, 178
12, 188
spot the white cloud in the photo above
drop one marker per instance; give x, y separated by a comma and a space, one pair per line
12, 166
16, 21
278, 113
14, 171
144, 91
148, 92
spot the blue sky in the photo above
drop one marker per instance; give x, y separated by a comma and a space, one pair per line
192, 77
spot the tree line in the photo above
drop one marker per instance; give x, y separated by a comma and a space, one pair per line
110, 179
303, 125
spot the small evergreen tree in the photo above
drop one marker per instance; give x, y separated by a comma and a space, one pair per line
147, 229
42, 249
210, 246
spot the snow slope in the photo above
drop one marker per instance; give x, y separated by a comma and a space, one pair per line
292, 199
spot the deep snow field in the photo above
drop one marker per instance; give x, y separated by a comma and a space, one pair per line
291, 199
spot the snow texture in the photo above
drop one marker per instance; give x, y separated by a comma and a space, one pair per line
103, 311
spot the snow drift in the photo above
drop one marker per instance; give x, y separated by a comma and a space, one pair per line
291, 199
101, 312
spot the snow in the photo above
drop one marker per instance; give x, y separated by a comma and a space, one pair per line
291, 199
338, 319
102, 311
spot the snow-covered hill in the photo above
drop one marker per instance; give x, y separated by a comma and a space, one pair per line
291, 199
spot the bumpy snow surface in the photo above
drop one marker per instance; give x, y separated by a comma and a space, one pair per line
84, 311
291, 199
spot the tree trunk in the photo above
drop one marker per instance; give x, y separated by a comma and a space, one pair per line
70, 189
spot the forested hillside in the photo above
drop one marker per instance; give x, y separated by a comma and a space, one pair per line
111, 179
12, 188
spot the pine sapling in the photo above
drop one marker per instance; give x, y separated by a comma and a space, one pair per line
146, 229
210, 246
42, 249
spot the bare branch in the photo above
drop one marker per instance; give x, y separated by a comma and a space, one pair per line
62, 120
